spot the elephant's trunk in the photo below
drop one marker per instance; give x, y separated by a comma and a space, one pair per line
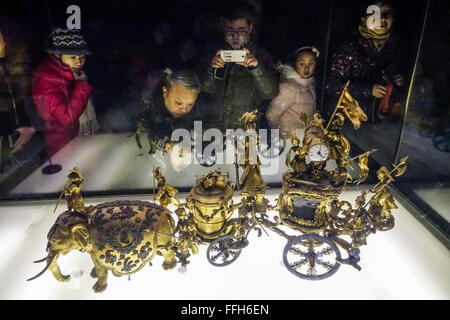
51, 260
54, 268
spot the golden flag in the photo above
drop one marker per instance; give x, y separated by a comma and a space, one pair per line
363, 164
352, 109
401, 166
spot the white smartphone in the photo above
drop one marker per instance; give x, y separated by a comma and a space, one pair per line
233, 55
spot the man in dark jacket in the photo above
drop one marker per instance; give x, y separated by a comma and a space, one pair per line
236, 88
168, 106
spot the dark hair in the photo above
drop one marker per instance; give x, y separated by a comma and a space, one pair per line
238, 10
310, 49
185, 77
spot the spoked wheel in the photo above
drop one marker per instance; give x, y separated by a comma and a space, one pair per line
224, 251
311, 257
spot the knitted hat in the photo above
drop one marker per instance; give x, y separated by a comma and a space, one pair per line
67, 41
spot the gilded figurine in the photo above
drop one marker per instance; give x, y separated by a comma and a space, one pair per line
120, 236
298, 163
340, 147
187, 235
360, 222
382, 203
251, 180
166, 193
72, 191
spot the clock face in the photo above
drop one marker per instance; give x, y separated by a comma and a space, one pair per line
318, 152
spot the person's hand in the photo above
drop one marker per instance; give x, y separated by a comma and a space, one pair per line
379, 91
250, 60
25, 134
217, 61
2, 46
399, 80
79, 75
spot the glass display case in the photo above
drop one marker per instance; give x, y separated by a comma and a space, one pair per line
129, 46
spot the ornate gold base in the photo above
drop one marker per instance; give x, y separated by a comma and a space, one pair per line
207, 238
302, 225
310, 190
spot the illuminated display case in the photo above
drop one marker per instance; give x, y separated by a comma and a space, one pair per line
130, 40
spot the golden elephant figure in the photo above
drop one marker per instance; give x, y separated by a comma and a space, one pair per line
121, 236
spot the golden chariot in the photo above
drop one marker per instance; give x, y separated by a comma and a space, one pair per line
308, 204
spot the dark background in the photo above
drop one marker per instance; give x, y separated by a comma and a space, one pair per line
121, 34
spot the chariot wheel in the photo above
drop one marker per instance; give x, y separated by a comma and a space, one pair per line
311, 257
224, 251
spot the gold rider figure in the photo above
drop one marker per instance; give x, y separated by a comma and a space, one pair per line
339, 144
166, 193
382, 203
298, 163
72, 192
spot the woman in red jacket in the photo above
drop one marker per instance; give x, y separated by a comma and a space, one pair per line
60, 90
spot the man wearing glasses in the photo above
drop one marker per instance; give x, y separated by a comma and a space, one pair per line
239, 87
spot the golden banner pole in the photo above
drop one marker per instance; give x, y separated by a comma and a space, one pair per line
338, 105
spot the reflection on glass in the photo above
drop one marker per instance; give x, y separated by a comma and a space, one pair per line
426, 133
378, 63
130, 48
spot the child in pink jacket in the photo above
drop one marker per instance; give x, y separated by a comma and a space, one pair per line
297, 93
